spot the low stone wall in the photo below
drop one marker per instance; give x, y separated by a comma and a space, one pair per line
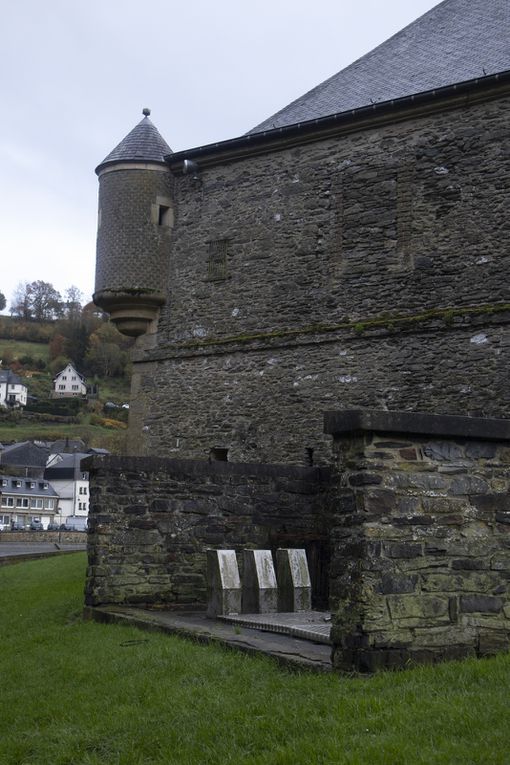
421, 540
32, 537
408, 533
151, 521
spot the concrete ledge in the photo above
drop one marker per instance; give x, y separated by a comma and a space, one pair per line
290, 652
421, 423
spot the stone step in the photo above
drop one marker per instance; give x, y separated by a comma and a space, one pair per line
307, 625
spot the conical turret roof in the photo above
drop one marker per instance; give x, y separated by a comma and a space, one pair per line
456, 41
143, 144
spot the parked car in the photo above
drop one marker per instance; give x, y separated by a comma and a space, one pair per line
52, 527
17, 526
36, 526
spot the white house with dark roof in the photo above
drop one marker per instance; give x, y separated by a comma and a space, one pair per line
69, 382
23, 500
72, 485
13, 391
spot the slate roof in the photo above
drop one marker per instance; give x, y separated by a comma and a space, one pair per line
73, 369
24, 454
456, 41
7, 376
33, 487
67, 446
143, 144
68, 466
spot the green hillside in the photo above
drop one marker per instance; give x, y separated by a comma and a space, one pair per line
36, 351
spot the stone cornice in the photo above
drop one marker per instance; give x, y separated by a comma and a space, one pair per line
419, 423
114, 167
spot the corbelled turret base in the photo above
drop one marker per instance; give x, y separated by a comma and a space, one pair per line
131, 312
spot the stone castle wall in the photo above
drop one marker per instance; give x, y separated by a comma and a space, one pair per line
151, 521
367, 270
420, 548
245, 399
407, 536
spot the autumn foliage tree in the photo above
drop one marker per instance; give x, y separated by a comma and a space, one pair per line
82, 335
38, 300
107, 354
57, 346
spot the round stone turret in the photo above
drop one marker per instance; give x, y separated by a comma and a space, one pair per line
135, 220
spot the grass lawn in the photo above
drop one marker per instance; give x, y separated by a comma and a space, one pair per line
93, 435
115, 389
79, 692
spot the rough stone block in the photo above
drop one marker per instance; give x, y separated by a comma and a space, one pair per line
459, 581
397, 583
404, 550
223, 583
380, 501
260, 594
433, 609
480, 450
480, 603
365, 479
492, 641
442, 450
294, 585
469, 484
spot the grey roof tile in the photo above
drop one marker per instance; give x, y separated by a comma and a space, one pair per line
143, 144
7, 376
15, 484
457, 40
24, 454
68, 466
67, 446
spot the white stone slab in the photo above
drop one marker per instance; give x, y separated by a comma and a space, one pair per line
260, 594
223, 583
294, 584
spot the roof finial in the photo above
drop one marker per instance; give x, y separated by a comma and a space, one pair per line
146, 112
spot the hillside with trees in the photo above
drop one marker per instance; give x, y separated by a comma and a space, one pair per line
45, 332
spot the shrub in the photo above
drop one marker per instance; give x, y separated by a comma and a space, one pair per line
107, 422
68, 407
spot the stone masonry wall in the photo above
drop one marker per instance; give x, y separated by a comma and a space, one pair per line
244, 398
132, 249
420, 549
369, 269
151, 520
406, 216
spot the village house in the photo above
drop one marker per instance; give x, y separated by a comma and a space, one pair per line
13, 391
24, 501
72, 486
69, 382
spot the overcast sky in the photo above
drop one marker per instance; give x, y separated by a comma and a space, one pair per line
75, 75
